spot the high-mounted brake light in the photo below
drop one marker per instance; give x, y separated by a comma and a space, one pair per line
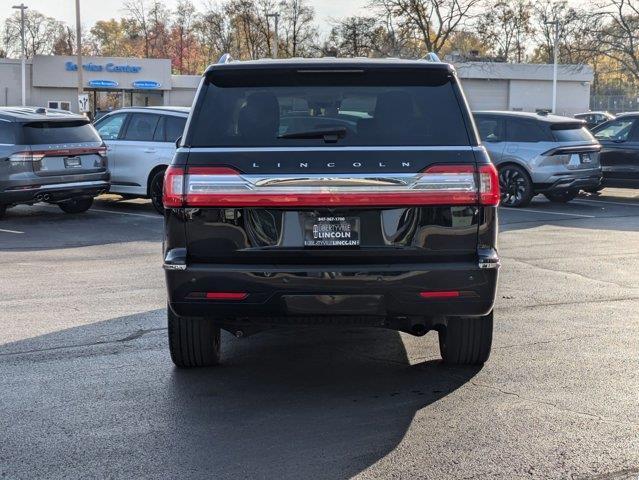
226, 187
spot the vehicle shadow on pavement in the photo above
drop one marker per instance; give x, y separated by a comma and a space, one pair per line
46, 227
311, 405
585, 212
306, 403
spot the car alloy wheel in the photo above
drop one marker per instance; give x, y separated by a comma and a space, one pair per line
515, 187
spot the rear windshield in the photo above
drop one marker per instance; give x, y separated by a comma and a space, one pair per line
76, 131
575, 133
350, 114
7, 136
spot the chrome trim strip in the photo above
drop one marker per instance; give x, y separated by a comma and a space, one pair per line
173, 266
488, 265
53, 186
466, 148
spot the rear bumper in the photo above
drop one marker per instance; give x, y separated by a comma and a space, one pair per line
54, 192
307, 292
570, 183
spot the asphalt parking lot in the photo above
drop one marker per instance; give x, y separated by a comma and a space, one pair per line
87, 389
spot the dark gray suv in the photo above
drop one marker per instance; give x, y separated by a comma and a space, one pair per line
50, 156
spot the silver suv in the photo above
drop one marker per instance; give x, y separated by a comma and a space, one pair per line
140, 144
540, 153
50, 156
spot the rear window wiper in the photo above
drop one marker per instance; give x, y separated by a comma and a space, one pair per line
330, 135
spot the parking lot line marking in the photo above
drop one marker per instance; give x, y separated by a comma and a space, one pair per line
607, 202
553, 213
127, 213
9, 231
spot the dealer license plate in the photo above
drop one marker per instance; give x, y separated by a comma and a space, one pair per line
331, 232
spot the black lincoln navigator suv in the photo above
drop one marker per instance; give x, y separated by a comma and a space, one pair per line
330, 192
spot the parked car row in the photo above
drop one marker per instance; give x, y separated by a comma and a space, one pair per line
51, 156
534, 154
58, 157
559, 156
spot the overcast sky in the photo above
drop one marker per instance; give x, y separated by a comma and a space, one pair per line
93, 10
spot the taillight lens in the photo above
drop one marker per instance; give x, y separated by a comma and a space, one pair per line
20, 157
173, 189
488, 185
226, 187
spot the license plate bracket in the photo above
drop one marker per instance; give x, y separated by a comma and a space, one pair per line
331, 231
72, 162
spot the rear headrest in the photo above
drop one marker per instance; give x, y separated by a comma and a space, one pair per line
260, 117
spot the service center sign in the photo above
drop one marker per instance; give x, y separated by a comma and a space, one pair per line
62, 71
96, 67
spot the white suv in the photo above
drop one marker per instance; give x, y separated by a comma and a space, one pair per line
140, 145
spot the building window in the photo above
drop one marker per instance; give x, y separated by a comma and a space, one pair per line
59, 104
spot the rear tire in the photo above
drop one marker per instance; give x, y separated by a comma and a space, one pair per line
76, 205
561, 197
467, 340
193, 342
155, 191
516, 186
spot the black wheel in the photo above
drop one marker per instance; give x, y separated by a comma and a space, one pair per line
561, 197
155, 191
467, 340
3, 210
515, 186
76, 205
193, 342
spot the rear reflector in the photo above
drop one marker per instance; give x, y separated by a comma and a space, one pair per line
442, 294
226, 295
226, 187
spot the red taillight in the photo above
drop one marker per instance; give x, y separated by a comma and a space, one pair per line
226, 295
440, 294
226, 187
489, 194
173, 189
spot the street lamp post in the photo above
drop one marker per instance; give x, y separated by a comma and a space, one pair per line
555, 49
276, 16
78, 45
22, 7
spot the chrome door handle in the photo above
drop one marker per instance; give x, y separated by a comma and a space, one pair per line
150, 150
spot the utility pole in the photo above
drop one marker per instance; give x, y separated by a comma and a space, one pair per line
22, 7
555, 49
276, 16
78, 45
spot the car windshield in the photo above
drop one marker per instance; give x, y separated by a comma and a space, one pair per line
616, 130
393, 114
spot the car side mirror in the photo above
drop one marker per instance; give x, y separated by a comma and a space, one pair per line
178, 141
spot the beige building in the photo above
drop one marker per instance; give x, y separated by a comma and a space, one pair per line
116, 82
525, 87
